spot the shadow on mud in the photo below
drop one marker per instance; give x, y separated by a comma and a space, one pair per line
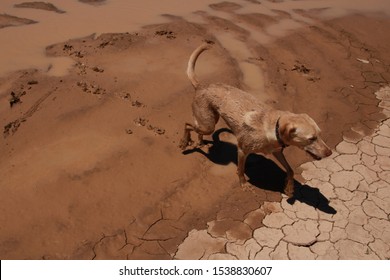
262, 172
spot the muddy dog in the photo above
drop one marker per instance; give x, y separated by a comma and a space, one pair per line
257, 127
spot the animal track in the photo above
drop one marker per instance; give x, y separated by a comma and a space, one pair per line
91, 88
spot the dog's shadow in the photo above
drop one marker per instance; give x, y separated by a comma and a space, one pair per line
262, 172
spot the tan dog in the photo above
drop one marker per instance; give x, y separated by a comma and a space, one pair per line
258, 128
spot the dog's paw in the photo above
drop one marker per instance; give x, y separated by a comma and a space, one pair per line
202, 144
184, 143
289, 194
289, 189
247, 187
183, 146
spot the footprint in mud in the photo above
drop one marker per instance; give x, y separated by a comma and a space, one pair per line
12, 127
127, 97
301, 68
167, 33
91, 88
15, 98
17, 94
82, 67
119, 41
141, 121
69, 49
98, 69
307, 72
145, 123
155, 129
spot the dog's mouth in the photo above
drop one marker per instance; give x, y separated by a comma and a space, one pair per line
313, 155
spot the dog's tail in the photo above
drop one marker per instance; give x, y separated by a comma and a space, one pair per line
191, 63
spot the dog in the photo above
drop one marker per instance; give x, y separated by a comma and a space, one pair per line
257, 127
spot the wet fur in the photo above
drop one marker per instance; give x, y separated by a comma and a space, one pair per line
252, 122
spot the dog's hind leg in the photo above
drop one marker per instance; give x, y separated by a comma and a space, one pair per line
204, 124
186, 140
199, 129
289, 186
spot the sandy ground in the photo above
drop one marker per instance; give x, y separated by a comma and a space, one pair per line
90, 161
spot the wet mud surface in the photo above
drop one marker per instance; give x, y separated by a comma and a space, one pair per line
91, 167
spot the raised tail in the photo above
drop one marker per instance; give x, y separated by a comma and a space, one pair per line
191, 64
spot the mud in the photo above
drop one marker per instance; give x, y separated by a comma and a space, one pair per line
91, 167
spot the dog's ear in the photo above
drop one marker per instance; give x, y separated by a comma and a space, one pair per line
288, 131
292, 131
286, 128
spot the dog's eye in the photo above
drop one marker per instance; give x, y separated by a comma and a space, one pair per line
312, 139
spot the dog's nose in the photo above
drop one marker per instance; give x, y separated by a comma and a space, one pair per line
328, 152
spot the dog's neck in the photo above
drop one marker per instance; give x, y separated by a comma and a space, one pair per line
277, 133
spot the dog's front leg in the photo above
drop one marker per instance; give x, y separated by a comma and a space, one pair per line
289, 187
241, 159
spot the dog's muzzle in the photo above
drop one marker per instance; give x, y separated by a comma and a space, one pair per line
318, 156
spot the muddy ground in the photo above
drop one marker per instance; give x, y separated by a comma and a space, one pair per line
91, 167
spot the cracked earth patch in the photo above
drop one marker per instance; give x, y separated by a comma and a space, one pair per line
91, 167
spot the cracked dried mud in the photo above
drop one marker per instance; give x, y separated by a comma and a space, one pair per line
91, 167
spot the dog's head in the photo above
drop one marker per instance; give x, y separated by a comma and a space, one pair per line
302, 131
